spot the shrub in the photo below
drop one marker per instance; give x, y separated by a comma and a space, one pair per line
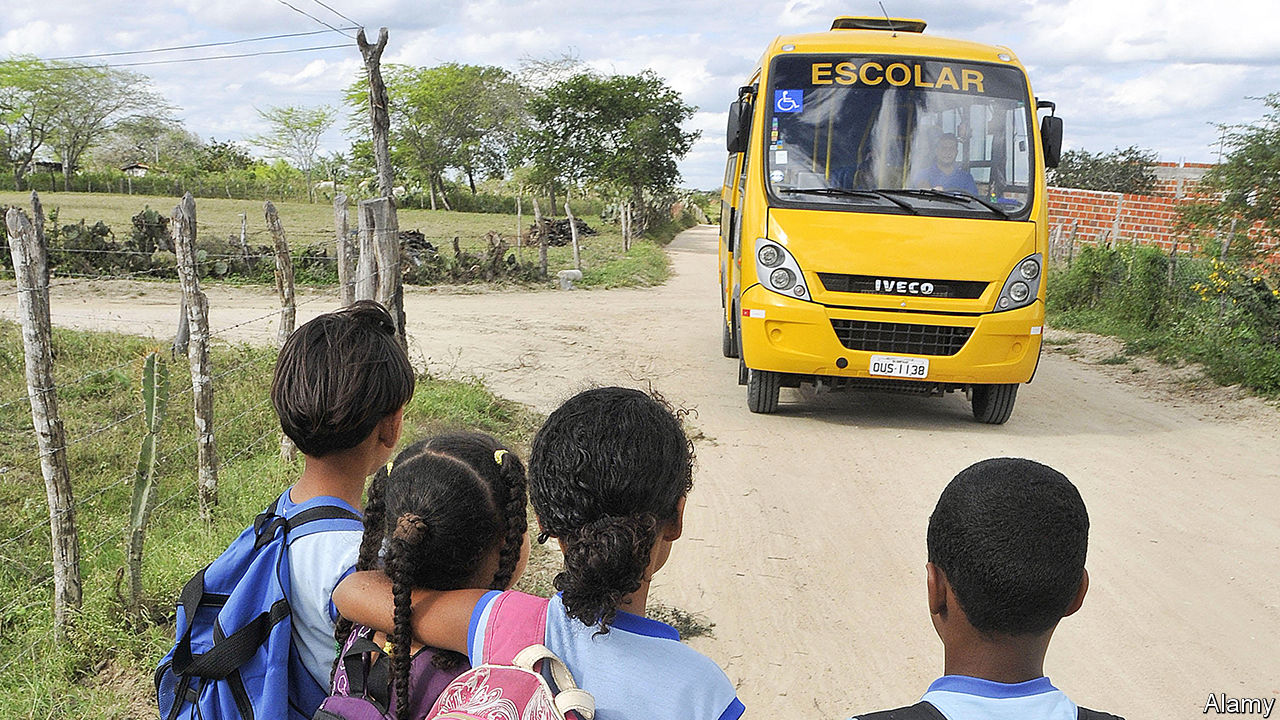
1224, 314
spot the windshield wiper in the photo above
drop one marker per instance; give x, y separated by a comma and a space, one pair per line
846, 192
956, 196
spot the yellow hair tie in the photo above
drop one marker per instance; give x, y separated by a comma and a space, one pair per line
498, 455
390, 464
389, 647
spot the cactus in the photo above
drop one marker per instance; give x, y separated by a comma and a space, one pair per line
155, 395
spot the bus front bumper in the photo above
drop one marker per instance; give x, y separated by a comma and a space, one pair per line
796, 337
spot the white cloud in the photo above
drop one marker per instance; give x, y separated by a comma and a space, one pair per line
1152, 73
40, 37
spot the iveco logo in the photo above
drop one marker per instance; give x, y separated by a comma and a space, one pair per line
903, 287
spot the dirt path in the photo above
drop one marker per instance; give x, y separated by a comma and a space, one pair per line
805, 534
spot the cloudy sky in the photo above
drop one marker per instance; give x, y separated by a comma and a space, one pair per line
1159, 74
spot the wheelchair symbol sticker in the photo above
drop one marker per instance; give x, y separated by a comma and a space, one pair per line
788, 101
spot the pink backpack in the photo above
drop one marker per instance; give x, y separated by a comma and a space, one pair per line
509, 684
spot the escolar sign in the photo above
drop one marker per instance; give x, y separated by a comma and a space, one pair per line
897, 74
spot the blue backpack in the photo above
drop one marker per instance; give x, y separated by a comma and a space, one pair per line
234, 656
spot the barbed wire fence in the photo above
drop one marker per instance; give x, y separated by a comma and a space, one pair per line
373, 275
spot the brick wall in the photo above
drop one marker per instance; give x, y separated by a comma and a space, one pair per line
1092, 217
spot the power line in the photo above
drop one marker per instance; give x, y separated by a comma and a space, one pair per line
313, 17
192, 47
195, 59
335, 12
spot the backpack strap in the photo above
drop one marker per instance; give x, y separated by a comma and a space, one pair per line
313, 520
365, 666
1084, 713
516, 621
922, 710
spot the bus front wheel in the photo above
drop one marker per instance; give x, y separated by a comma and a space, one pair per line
762, 390
993, 404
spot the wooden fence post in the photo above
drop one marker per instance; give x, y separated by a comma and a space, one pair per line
379, 119
519, 222
542, 238
573, 234
288, 304
244, 237
367, 266
284, 275
625, 212
389, 286
183, 228
346, 251
31, 270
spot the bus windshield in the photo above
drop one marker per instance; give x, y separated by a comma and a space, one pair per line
899, 134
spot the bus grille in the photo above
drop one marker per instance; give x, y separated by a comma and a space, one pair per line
886, 337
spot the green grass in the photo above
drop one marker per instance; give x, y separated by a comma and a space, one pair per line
1223, 315
218, 219
103, 671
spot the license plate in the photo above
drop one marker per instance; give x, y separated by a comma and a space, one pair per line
903, 367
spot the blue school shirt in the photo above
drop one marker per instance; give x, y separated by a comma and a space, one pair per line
961, 697
639, 670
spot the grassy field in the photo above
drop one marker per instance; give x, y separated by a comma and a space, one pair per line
104, 670
604, 262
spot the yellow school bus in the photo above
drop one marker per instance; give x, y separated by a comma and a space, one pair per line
883, 219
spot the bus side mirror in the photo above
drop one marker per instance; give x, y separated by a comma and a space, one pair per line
1051, 136
739, 128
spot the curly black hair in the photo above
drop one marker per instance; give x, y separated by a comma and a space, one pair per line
608, 469
1011, 536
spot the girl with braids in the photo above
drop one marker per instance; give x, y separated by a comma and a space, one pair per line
608, 478
447, 513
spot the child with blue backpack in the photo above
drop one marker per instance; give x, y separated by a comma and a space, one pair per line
608, 477
447, 513
255, 628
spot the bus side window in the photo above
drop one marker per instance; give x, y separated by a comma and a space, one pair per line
741, 197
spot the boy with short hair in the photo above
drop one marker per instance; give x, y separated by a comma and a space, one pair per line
341, 384
1007, 543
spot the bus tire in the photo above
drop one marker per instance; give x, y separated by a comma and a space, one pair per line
728, 343
762, 391
993, 404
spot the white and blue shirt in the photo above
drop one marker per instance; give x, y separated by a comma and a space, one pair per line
639, 670
961, 697
317, 563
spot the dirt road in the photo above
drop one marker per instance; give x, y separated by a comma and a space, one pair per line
805, 533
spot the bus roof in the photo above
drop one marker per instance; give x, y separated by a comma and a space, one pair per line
902, 42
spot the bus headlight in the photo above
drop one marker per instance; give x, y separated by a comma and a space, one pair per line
777, 270
769, 256
1021, 286
1030, 269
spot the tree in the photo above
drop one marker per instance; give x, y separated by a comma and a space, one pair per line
94, 101
158, 141
29, 98
1245, 185
1131, 170
621, 133
222, 156
447, 117
295, 135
